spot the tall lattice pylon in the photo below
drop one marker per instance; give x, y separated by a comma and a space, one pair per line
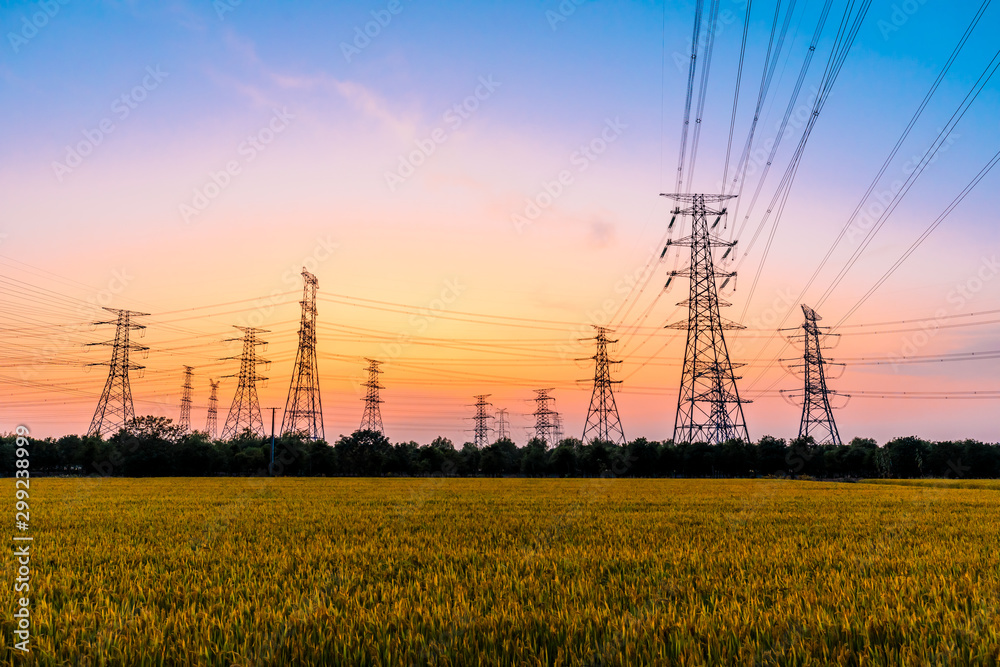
114, 409
185, 421
371, 420
603, 422
245, 410
817, 413
304, 408
212, 423
503, 426
545, 417
481, 430
709, 408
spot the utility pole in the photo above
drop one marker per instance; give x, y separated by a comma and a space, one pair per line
270, 468
212, 423
371, 420
603, 422
114, 409
245, 410
185, 420
817, 413
304, 407
709, 408
482, 428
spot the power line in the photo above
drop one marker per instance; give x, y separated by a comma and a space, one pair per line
689, 95
927, 232
736, 93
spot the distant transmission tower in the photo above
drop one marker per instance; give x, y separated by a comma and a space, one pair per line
371, 420
602, 415
212, 425
817, 414
114, 409
185, 420
482, 428
709, 408
304, 408
503, 429
245, 410
545, 417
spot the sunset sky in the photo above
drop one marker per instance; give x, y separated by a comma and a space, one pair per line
187, 159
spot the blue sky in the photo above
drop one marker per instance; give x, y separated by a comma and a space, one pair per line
559, 83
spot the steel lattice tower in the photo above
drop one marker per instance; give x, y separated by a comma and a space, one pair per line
817, 414
602, 416
709, 408
185, 420
482, 428
304, 408
212, 424
371, 420
114, 409
245, 410
502, 427
545, 416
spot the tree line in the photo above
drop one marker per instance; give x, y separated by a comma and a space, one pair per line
155, 447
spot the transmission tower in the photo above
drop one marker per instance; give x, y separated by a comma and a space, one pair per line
545, 417
503, 428
303, 408
817, 414
114, 409
602, 415
371, 420
245, 410
185, 420
709, 408
212, 425
482, 428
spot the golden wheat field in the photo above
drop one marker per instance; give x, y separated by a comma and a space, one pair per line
511, 571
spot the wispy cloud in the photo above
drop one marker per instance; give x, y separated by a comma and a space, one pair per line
360, 97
